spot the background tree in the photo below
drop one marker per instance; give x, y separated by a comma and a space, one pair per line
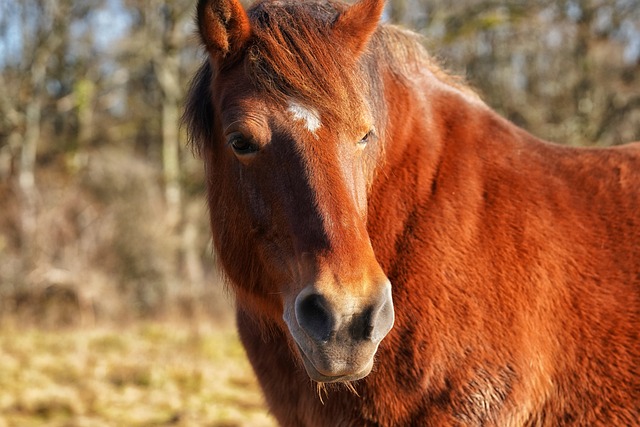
568, 71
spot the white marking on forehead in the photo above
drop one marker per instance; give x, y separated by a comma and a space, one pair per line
309, 116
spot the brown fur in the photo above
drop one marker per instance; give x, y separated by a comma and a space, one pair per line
514, 263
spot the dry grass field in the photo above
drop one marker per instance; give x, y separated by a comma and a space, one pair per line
151, 374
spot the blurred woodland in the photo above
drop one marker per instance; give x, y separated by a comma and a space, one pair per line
102, 214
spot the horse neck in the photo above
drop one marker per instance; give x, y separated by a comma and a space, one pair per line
436, 140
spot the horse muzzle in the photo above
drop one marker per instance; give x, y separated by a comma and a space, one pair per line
338, 334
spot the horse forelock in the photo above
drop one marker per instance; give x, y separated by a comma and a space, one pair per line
292, 57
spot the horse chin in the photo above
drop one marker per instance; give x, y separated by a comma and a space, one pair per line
327, 377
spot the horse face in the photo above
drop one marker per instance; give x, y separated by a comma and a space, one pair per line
302, 189
294, 183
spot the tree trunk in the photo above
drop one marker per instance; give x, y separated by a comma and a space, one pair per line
26, 174
171, 158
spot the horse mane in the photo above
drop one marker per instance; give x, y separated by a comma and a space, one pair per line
405, 55
288, 57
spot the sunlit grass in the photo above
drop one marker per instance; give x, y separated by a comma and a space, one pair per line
143, 375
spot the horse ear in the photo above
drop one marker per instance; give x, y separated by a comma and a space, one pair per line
355, 25
223, 26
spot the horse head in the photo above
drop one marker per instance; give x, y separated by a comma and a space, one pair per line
291, 133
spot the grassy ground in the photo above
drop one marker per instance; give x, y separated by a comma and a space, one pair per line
142, 375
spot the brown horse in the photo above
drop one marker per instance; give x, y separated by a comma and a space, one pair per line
384, 230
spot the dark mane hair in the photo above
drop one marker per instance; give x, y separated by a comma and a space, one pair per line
198, 112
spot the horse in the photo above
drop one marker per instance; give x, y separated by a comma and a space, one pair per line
401, 255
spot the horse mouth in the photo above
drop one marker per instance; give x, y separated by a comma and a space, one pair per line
323, 377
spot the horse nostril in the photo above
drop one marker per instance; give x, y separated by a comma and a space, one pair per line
314, 317
373, 323
361, 326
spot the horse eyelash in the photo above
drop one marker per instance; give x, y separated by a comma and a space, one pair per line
366, 137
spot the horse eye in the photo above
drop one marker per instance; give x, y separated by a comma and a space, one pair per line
366, 138
241, 144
